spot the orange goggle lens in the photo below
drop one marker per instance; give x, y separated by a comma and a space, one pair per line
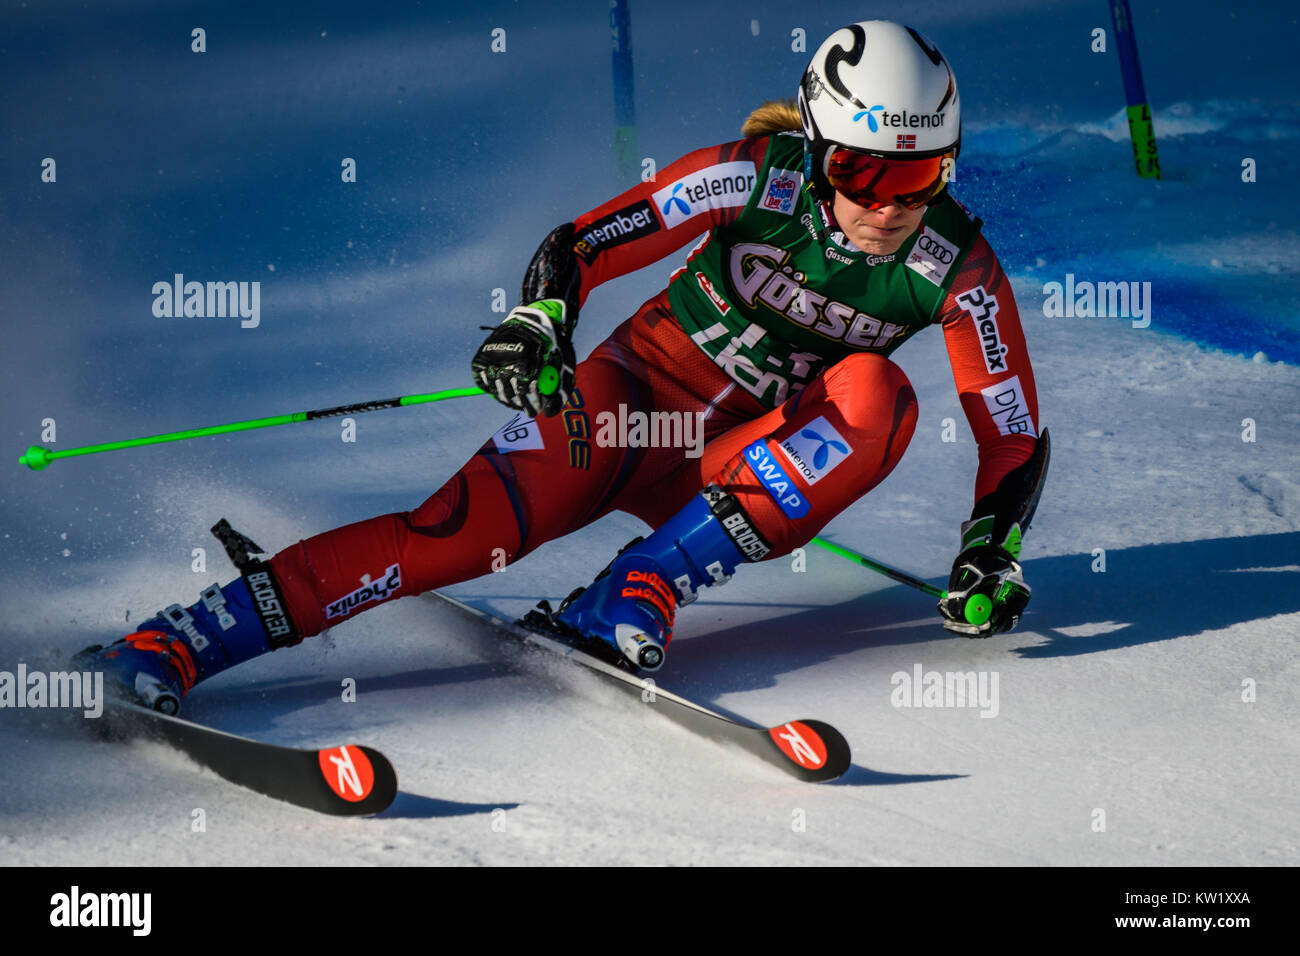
873, 181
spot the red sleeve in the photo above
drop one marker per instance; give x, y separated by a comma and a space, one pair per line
700, 191
990, 365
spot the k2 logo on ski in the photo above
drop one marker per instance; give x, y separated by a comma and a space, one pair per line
720, 186
983, 308
932, 256
782, 191
815, 450
369, 591
1006, 403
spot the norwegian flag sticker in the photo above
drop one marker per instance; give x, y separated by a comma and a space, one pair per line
906, 141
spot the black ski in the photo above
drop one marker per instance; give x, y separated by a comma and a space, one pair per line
808, 749
348, 780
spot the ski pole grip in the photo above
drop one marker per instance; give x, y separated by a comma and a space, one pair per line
979, 608
36, 458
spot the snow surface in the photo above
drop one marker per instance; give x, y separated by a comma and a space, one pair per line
1122, 691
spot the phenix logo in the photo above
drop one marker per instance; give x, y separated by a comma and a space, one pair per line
369, 591
74, 908
983, 308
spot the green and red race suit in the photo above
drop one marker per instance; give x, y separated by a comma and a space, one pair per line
773, 306
772, 340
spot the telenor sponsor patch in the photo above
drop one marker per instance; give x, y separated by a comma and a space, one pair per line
720, 186
815, 450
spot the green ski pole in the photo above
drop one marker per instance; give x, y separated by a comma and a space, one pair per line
38, 457
978, 606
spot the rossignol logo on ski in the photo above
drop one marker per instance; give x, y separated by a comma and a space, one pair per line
348, 772
1005, 401
721, 186
800, 743
369, 591
774, 478
816, 449
983, 308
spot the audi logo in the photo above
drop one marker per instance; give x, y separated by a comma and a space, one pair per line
936, 250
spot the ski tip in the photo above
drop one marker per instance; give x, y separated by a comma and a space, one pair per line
361, 779
813, 749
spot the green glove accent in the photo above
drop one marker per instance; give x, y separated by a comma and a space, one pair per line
552, 307
980, 531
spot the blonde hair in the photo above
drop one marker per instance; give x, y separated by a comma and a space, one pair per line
774, 116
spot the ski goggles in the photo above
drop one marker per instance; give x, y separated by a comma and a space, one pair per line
875, 181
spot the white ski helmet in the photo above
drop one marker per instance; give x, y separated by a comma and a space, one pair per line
879, 88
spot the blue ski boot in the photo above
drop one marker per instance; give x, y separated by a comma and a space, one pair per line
168, 654
626, 615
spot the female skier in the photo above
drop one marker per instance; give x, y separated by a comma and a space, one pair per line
828, 239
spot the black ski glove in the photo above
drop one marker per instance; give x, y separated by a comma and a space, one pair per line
527, 362
986, 592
